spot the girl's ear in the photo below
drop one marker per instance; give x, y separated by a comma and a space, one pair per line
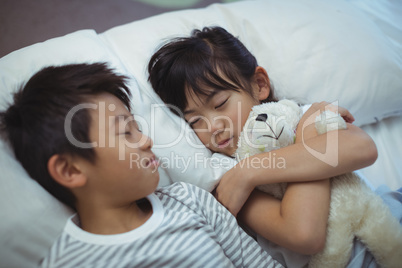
66, 171
262, 81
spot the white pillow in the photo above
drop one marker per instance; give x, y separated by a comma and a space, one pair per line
331, 50
31, 217
313, 50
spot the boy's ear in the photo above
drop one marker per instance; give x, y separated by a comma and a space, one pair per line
263, 83
66, 171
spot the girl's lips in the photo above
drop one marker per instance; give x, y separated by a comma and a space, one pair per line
224, 143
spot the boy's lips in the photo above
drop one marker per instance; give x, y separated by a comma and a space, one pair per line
153, 162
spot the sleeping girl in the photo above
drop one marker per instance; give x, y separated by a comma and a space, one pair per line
214, 81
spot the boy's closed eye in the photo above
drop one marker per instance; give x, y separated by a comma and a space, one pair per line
131, 127
127, 132
126, 125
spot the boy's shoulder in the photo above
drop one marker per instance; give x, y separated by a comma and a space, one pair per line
178, 187
188, 194
181, 189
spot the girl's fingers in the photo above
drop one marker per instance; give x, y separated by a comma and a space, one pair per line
346, 115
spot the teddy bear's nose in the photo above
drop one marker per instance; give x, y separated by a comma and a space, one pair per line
262, 117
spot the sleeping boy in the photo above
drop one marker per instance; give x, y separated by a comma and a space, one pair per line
72, 130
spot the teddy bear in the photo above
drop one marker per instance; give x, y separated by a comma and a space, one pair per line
355, 210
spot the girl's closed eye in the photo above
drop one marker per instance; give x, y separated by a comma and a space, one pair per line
221, 104
193, 121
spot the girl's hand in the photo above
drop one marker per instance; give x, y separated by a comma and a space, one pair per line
319, 107
306, 124
233, 190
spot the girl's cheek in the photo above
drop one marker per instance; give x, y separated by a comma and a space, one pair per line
204, 139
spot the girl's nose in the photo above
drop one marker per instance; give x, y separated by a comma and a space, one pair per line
217, 124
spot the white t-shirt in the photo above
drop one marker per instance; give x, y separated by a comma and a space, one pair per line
188, 228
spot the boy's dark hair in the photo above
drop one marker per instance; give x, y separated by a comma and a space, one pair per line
34, 124
200, 61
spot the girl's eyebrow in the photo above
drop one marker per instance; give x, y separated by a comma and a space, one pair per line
188, 112
211, 96
207, 100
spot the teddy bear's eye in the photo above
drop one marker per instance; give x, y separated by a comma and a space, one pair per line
262, 117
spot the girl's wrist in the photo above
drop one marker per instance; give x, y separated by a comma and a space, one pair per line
258, 170
248, 174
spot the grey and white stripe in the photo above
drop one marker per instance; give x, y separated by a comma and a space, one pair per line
188, 228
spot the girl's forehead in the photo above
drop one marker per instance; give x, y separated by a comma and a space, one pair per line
201, 97
194, 99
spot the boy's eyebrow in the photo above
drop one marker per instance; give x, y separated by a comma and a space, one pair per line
125, 116
207, 100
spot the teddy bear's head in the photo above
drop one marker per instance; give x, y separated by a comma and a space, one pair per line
269, 126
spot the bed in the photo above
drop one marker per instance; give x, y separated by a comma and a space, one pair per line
348, 52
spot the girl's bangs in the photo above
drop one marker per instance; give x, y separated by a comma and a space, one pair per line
211, 78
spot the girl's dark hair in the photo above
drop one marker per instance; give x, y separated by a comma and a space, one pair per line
34, 124
201, 61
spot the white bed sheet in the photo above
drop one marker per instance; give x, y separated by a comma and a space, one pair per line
388, 167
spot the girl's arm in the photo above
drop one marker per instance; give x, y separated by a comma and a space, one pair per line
298, 222
317, 158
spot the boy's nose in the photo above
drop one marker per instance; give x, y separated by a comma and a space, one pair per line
146, 142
